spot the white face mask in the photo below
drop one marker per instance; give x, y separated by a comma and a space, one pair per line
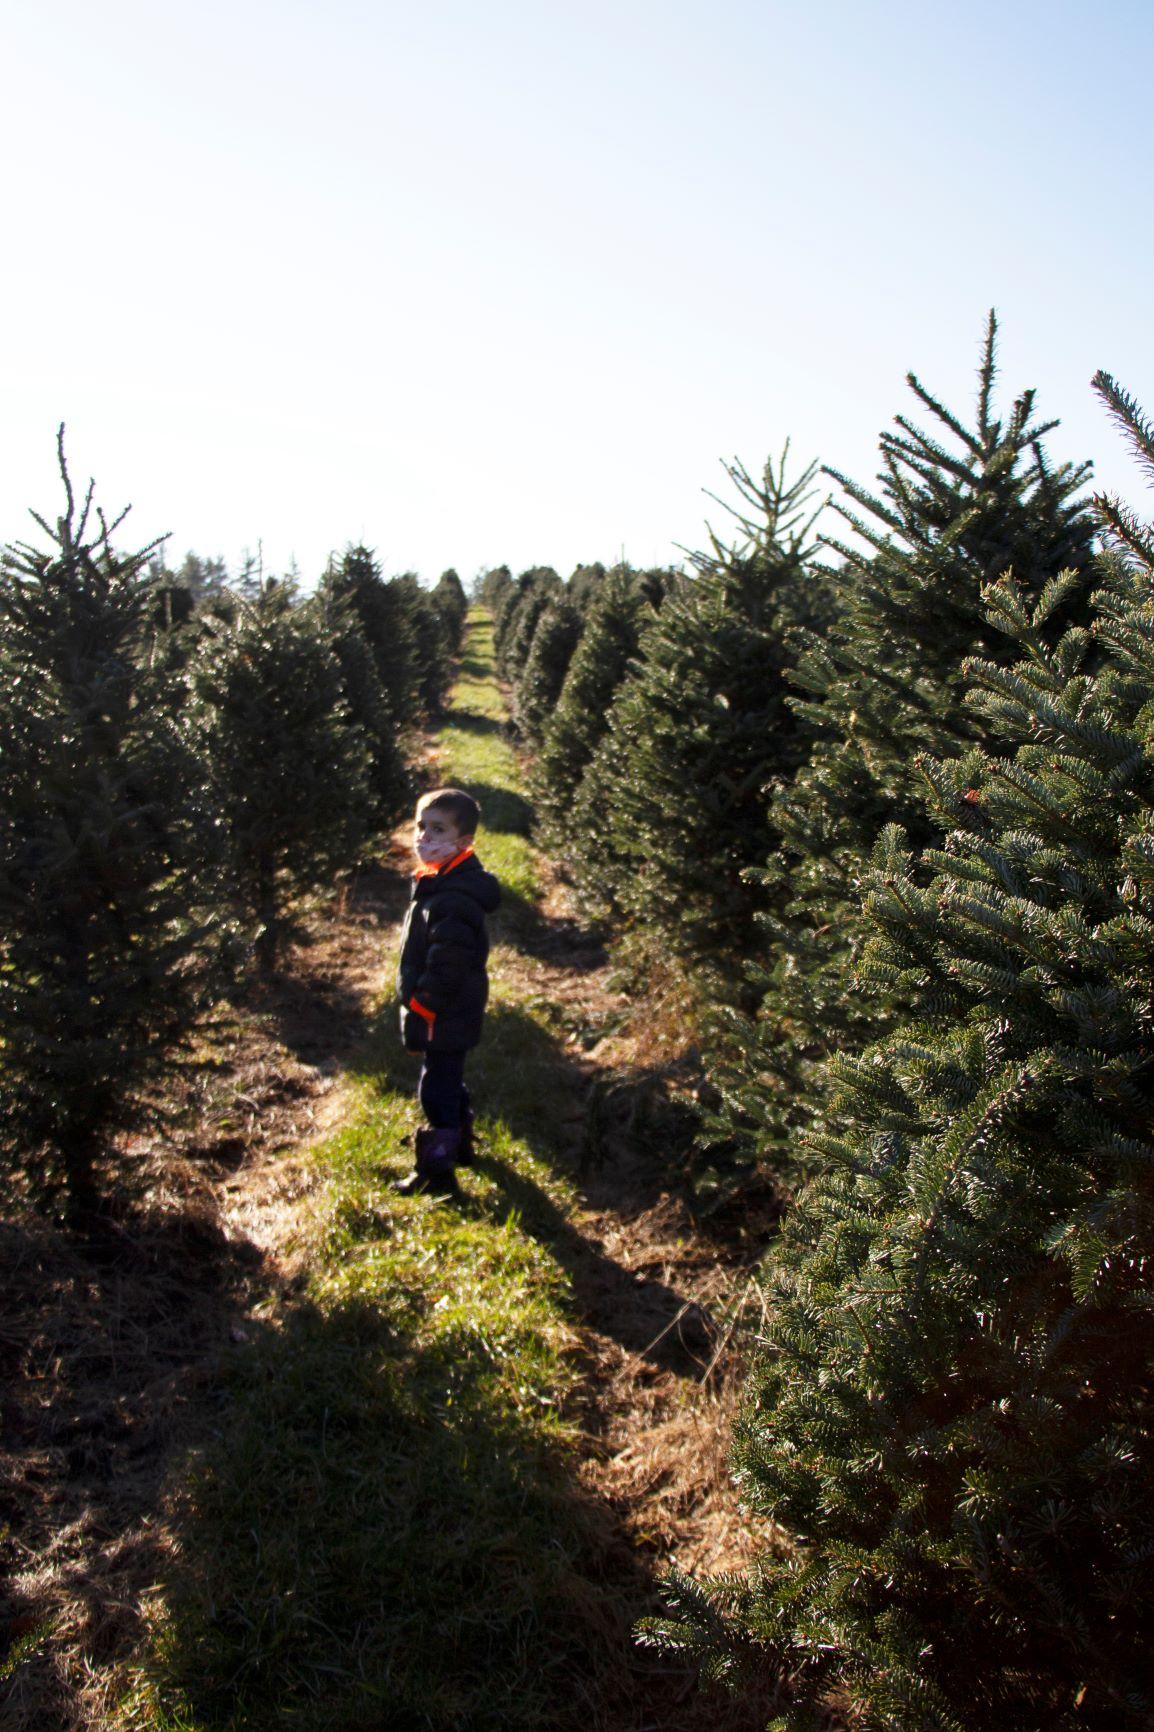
436, 841
432, 851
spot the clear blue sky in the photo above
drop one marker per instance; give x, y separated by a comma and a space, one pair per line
499, 282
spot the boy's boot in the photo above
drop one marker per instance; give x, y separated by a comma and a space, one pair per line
437, 1153
467, 1152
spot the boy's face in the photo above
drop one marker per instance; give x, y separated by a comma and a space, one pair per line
436, 837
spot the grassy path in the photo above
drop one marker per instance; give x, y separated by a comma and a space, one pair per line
421, 1505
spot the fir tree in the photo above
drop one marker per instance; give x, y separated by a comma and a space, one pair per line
517, 622
432, 666
507, 598
599, 664
543, 674
105, 954
290, 771
448, 597
386, 619
885, 681
952, 1412
203, 577
370, 712
492, 587
676, 799
584, 585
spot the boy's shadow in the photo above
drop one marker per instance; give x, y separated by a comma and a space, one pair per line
647, 1318
522, 1078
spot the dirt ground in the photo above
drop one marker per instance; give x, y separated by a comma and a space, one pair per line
110, 1351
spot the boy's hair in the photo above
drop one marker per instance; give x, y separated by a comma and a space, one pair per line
461, 807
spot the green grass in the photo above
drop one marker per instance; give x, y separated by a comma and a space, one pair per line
388, 1529
477, 754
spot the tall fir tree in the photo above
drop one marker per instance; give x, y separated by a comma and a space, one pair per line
507, 598
957, 509
109, 905
952, 1412
204, 577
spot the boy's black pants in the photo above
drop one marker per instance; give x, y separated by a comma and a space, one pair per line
441, 1091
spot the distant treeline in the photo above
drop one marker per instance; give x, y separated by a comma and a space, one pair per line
886, 798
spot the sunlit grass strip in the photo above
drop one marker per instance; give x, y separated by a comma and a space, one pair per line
476, 753
388, 1532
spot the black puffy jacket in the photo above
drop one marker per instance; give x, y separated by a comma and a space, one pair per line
441, 979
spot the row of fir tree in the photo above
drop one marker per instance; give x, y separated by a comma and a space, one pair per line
182, 760
887, 796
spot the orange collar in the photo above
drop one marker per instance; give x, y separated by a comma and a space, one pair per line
424, 871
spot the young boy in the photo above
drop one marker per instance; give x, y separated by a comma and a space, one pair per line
441, 979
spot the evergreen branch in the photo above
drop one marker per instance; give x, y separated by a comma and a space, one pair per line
1055, 592
75, 542
64, 475
1126, 412
865, 499
1020, 435
778, 534
990, 1111
1126, 527
987, 373
853, 556
920, 449
1031, 788
1061, 482
108, 530
943, 414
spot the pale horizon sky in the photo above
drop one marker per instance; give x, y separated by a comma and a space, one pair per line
508, 283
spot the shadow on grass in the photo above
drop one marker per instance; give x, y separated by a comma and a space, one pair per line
526, 1079
522, 1077
377, 1544
111, 1314
475, 721
522, 924
106, 1343
518, 921
646, 1317
502, 810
